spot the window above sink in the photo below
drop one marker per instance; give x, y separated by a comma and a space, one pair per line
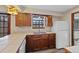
39, 21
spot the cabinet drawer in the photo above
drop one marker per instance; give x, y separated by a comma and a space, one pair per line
35, 36
44, 36
52, 35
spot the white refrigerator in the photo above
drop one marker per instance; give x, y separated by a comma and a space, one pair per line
62, 34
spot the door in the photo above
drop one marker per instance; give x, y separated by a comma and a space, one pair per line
4, 25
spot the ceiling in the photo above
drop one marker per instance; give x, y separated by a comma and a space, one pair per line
57, 8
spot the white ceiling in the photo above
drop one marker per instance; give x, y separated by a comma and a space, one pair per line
57, 8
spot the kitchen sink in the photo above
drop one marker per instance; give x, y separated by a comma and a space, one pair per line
38, 33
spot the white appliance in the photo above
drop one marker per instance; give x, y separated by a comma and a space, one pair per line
62, 34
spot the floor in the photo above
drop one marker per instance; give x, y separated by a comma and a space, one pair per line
50, 51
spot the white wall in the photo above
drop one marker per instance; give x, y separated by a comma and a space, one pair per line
3, 9
39, 11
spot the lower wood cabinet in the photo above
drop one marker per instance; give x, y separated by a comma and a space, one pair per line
39, 42
52, 41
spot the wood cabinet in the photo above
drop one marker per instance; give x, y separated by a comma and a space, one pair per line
33, 42
52, 41
39, 42
23, 19
28, 19
50, 22
44, 41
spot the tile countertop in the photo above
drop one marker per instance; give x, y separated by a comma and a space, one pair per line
73, 49
14, 42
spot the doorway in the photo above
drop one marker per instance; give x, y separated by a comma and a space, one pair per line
75, 28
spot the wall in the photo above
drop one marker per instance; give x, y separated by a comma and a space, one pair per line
3, 9
39, 11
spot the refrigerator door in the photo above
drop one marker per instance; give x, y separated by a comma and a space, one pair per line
62, 39
60, 25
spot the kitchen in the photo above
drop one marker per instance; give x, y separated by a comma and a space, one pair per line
34, 23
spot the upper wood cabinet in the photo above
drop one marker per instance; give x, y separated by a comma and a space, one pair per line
50, 23
28, 19
23, 19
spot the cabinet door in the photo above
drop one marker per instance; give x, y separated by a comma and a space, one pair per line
28, 19
50, 22
36, 43
23, 19
52, 42
44, 42
33, 43
20, 19
29, 45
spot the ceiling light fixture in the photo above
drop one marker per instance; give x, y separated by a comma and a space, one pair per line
12, 10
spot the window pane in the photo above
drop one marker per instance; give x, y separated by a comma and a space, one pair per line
76, 24
1, 24
5, 24
5, 18
5, 30
1, 30
1, 18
